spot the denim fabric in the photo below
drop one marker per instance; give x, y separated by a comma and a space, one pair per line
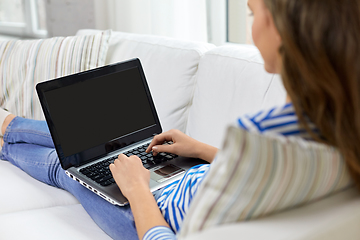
29, 146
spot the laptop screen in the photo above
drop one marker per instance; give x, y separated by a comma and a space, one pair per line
99, 114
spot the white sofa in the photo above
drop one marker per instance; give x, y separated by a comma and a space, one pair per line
197, 88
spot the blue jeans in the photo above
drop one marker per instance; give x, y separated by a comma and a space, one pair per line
29, 146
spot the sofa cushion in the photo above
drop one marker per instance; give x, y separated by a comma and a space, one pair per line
62, 222
24, 63
170, 66
231, 82
256, 175
20, 192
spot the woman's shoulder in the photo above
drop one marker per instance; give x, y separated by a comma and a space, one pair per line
266, 118
277, 120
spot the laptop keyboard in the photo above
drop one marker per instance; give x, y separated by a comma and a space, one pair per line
100, 172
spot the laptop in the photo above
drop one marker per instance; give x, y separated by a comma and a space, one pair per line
95, 115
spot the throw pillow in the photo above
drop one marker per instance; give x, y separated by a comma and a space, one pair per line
24, 63
256, 175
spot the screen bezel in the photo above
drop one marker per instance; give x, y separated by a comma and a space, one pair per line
107, 148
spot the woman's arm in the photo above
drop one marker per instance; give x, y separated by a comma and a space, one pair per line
183, 145
145, 210
133, 180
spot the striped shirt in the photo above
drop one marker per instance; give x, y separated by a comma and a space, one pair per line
175, 199
279, 120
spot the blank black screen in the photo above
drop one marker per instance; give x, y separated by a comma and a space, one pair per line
99, 110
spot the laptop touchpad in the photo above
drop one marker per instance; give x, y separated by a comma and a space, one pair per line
164, 173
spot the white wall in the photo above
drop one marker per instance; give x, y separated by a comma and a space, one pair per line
183, 19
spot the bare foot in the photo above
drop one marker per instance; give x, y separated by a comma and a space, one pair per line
7, 120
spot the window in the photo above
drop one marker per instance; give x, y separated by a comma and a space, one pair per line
24, 18
239, 22
229, 21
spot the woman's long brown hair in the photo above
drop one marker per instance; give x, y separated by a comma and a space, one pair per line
321, 69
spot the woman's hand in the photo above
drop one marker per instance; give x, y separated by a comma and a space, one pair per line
130, 175
183, 145
133, 180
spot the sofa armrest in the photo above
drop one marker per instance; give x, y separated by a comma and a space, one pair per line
333, 218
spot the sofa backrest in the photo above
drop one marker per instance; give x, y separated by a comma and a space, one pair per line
231, 81
170, 66
199, 88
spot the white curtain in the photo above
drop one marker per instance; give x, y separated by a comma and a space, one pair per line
182, 19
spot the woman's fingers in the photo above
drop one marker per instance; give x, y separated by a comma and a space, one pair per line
160, 139
163, 148
182, 145
129, 173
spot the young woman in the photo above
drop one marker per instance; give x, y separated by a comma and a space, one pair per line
313, 44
